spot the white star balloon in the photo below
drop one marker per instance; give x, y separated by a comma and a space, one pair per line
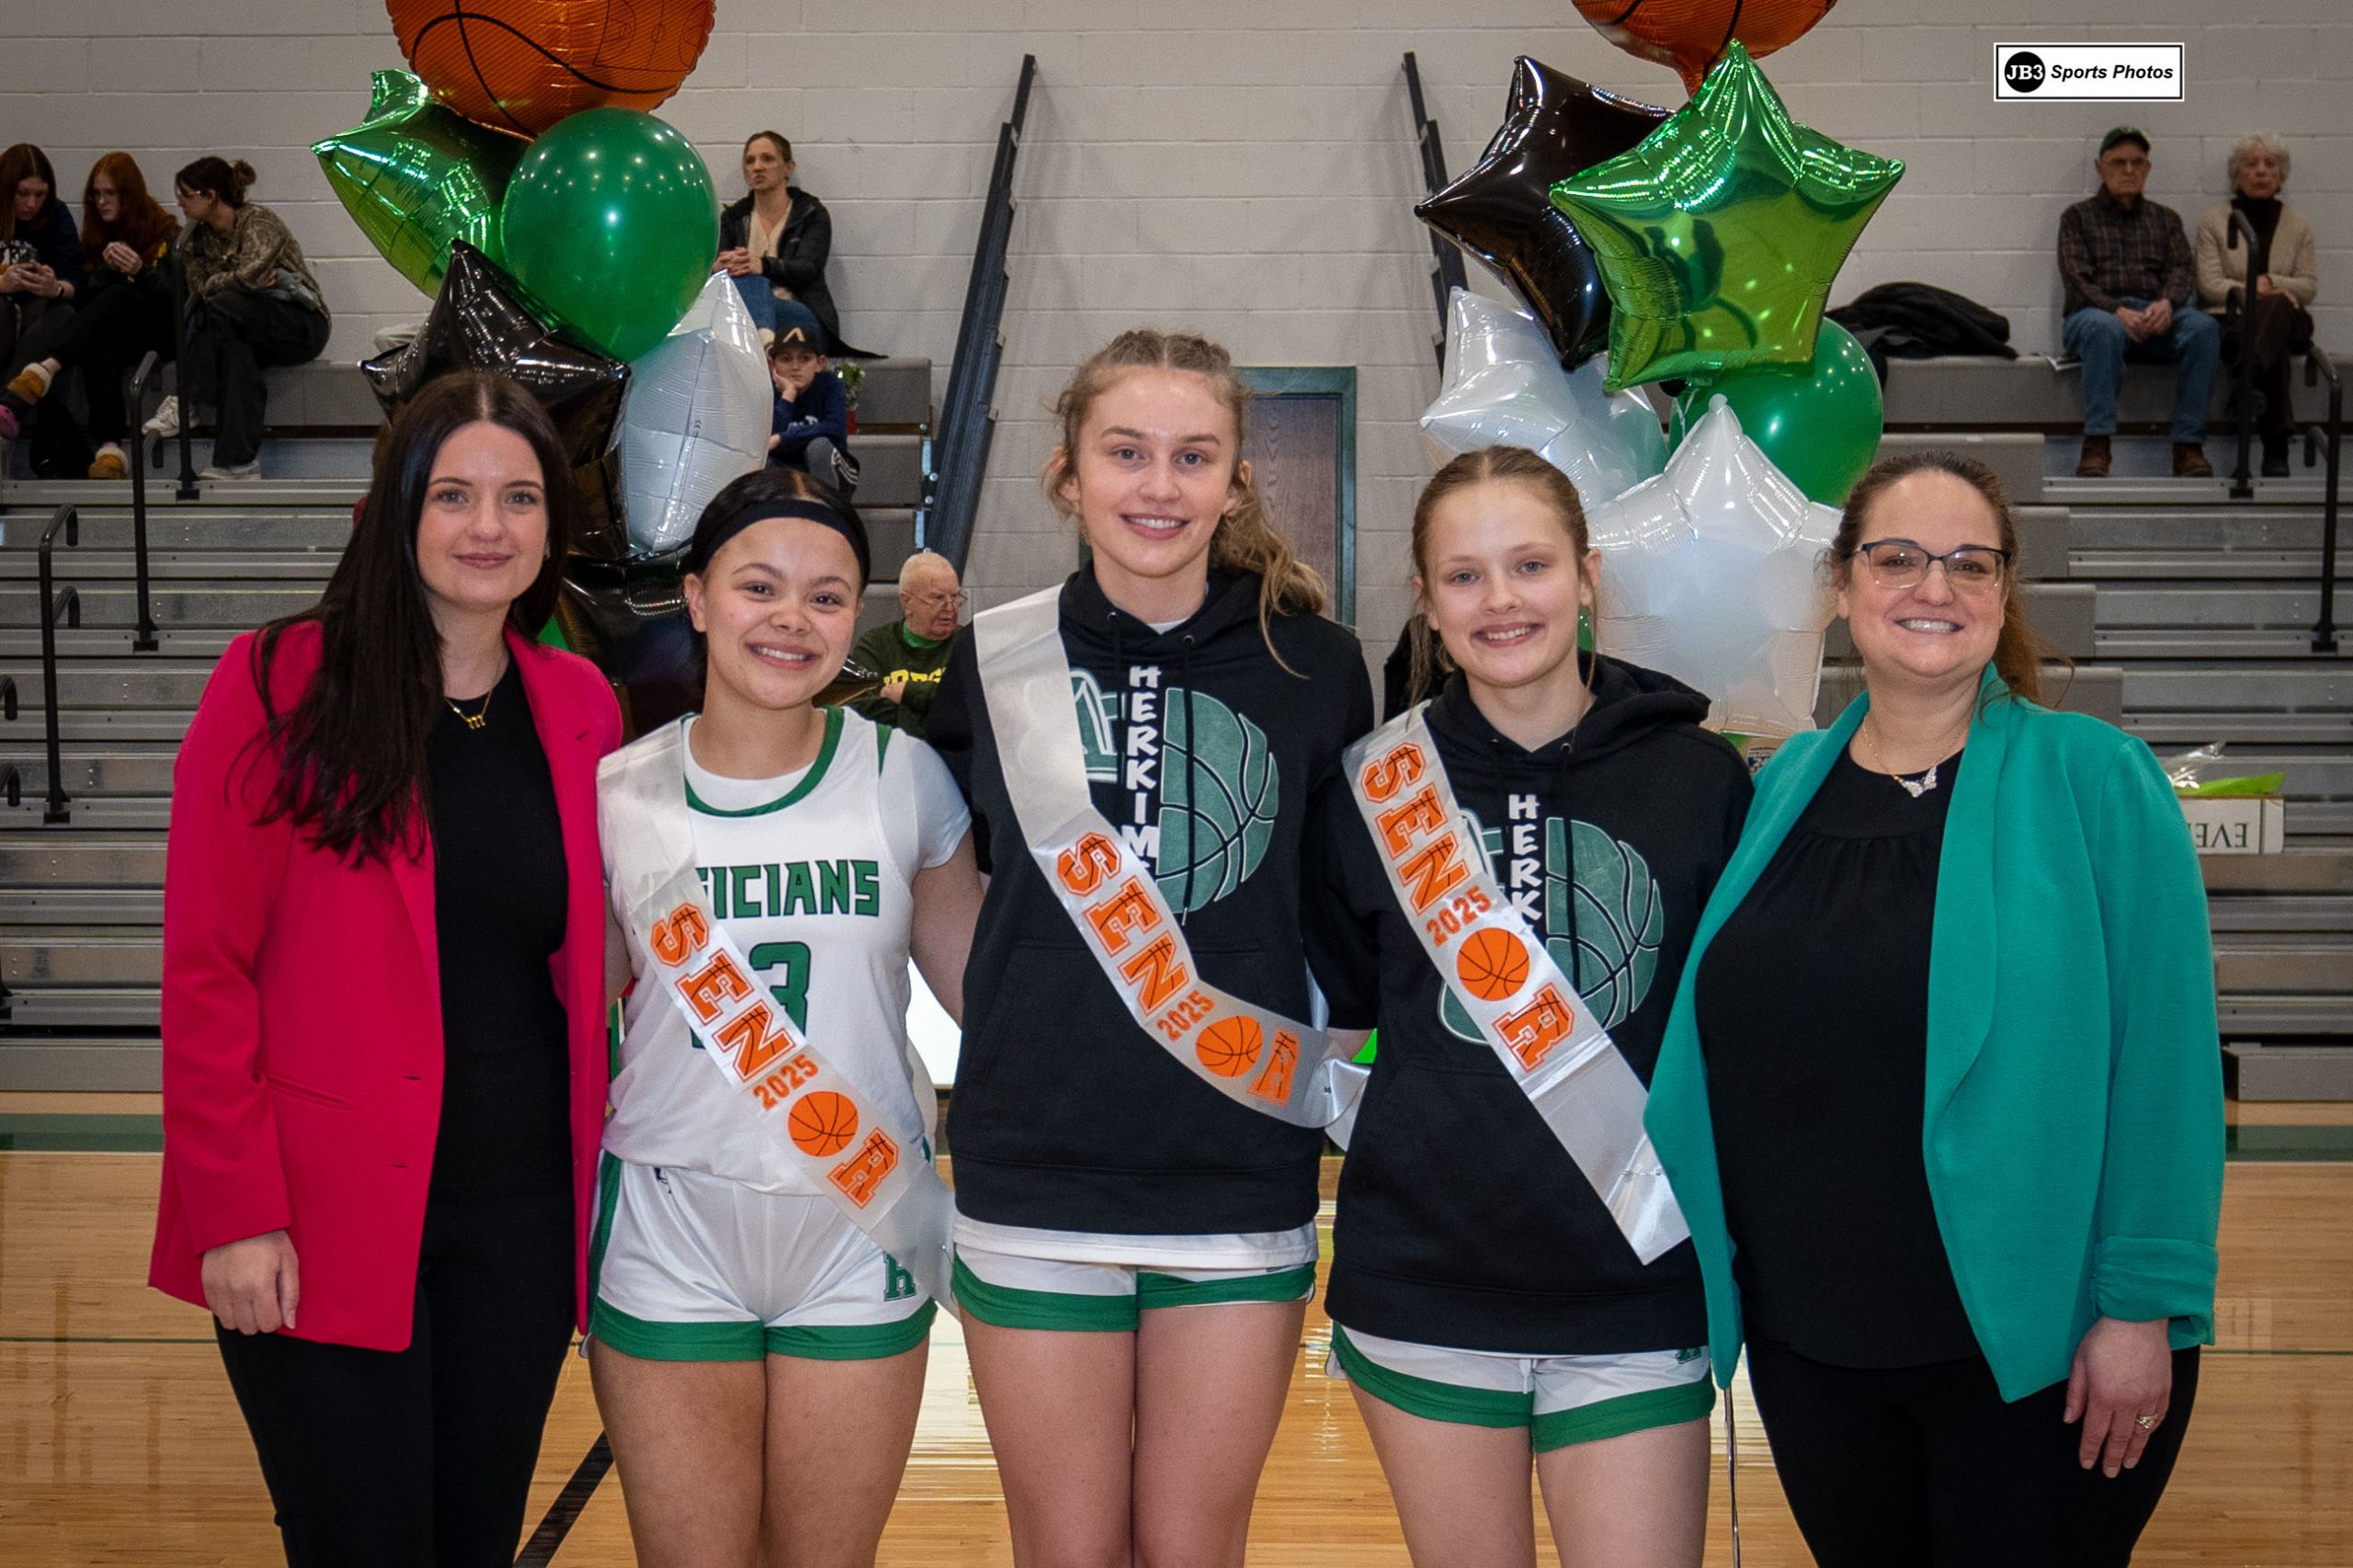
1713, 571
696, 415
1504, 387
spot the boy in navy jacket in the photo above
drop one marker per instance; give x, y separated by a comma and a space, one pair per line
811, 426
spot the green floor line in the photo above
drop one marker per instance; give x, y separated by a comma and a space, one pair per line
114, 1133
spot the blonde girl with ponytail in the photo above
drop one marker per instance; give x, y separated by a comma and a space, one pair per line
1135, 1249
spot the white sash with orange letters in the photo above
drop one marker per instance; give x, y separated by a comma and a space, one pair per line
876, 1174
1528, 1011
1252, 1055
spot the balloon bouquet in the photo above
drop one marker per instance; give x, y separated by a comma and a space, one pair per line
1696, 246
566, 237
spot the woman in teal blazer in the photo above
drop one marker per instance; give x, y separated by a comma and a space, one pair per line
1941, 1096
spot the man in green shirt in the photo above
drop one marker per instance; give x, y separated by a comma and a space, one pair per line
911, 653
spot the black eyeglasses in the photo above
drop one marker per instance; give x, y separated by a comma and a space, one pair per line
1904, 563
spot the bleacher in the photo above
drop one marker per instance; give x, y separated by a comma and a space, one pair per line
2188, 615
81, 918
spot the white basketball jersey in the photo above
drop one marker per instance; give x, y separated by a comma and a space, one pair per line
811, 875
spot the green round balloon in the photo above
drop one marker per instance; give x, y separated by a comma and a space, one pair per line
1820, 423
610, 223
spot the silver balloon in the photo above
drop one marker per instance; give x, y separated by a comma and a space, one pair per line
696, 415
1504, 387
1713, 571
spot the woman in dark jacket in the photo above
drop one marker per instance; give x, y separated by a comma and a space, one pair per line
40, 263
782, 235
126, 311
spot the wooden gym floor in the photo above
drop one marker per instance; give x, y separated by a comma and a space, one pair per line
120, 1442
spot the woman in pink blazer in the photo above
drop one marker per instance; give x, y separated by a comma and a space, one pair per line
384, 1057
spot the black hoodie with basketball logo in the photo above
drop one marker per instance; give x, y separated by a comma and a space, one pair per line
1203, 753
1462, 1221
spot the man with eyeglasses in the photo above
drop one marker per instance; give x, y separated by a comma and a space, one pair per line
911, 653
2129, 278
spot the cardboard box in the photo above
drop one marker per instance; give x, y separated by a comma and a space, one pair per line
2236, 824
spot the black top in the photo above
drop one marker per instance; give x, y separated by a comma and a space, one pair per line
499, 887
1814, 1014
1462, 1221
1203, 753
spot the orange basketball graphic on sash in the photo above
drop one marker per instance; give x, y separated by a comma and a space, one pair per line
1690, 35
1228, 1046
823, 1123
1491, 964
521, 65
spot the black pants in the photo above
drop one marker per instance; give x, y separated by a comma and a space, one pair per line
1926, 1467
2273, 331
30, 327
113, 331
421, 1457
231, 338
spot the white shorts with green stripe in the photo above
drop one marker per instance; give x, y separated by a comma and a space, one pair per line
1080, 1282
1561, 1400
690, 1266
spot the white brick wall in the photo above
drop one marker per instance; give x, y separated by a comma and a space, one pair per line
1241, 167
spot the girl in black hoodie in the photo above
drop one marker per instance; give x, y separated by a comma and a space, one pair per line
1486, 1304
1134, 1249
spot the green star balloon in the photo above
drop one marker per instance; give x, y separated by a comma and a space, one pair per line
1719, 235
417, 176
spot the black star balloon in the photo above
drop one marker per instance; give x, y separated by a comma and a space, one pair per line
480, 323
1501, 208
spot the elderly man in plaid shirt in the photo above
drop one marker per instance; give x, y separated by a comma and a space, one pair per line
2130, 280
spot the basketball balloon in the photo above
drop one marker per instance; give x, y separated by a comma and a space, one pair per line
521, 65
1691, 34
1228, 1046
821, 1123
1492, 964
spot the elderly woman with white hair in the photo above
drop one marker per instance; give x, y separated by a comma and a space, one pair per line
2276, 322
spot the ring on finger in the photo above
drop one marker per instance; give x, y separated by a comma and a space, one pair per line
2146, 1423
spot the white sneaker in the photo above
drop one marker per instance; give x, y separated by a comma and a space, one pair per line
166, 425
234, 472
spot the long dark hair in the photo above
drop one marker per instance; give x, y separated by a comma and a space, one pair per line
2020, 652
351, 750
142, 224
217, 177
18, 165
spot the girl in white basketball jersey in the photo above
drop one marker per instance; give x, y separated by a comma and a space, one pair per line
1135, 1236
757, 1343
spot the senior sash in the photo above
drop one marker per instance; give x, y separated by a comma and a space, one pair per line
1252, 1055
876, 1173
1502, 973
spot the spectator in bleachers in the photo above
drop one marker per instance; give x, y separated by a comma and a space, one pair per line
776, 240
2275, 324
252, 302
811, 428
126, 311
40, 264
2129, 281
911, 653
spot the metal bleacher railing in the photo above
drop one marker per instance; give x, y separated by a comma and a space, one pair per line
2318, 367
1446, 272
142, 635
957, 458
55, 603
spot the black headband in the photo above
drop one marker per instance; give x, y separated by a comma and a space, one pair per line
759, 510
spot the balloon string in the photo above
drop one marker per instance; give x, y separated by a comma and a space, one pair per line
1731, 1475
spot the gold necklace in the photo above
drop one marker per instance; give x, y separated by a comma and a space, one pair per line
1915, 788
480, 718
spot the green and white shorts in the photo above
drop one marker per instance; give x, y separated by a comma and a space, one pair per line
1079, 1282
1561, 1400
690, 1266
